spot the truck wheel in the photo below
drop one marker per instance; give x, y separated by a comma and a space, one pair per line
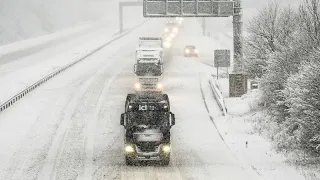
165, 162
129, 162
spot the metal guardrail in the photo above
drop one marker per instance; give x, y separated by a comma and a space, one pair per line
218, 96
24, 92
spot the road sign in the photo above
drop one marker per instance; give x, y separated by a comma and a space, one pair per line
221, 58
188, 8
237, 85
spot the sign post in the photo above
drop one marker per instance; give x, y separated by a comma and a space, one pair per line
221, 59
218, 73
237, 37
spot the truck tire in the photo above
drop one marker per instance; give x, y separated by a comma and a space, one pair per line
129, 162
165, 162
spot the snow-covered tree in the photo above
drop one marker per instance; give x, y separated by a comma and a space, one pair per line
278, 50
309, 13
302, 94
270, 32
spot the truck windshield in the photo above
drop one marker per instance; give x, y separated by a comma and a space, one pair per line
150, 44
149, 118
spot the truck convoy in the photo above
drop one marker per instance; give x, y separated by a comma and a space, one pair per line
149, 65
147, 121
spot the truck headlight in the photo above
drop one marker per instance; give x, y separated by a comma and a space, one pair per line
137, 85
159, 86
196, 51
129, 149
167, 44
166, 148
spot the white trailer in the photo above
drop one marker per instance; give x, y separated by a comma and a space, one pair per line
150, 42
149, 65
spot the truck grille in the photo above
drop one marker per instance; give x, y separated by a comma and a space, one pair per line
148, 80
148, 86
148, 146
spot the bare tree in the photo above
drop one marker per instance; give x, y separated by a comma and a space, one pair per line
273, 30
310, 21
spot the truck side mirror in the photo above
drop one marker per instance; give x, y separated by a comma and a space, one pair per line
173, 119
135, 68
122, 119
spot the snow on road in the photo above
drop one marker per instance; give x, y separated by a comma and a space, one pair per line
53, 107
69, 128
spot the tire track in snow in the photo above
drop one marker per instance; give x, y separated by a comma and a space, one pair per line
56, 149
88, 169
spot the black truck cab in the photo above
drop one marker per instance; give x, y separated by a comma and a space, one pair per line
147, 122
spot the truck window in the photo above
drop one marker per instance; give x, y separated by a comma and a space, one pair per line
150, 69
149, 118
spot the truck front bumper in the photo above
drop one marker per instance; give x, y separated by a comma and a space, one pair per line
157, 155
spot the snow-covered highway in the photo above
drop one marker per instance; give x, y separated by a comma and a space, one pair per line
69, 127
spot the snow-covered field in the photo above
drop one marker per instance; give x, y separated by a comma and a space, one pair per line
24, 63
69, 127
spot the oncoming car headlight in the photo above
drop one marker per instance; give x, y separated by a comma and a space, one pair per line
187, 51
129, 149
166, 148
167, 44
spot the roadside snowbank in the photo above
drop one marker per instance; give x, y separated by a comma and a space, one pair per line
239, 134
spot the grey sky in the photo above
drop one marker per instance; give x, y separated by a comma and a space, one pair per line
251, 7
